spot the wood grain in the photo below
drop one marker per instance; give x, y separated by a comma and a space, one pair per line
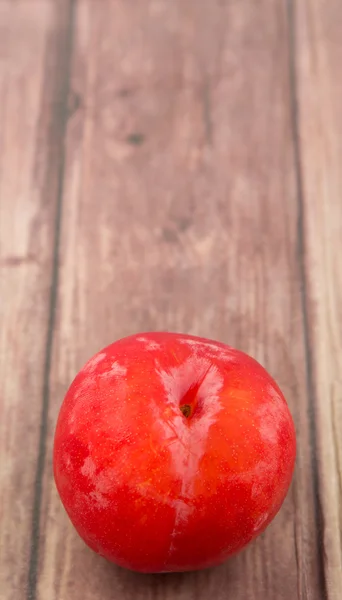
170, 165
31, 97
180, 211
319, 98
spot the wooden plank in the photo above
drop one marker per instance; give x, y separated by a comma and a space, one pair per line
180, 212
319, 97
32, 35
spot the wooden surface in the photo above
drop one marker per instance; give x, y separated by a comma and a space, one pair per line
170, 165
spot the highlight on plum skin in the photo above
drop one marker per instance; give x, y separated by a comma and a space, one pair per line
172, 452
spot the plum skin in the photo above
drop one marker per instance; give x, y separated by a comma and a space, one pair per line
172, 452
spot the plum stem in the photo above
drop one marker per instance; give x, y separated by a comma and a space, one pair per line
186, 410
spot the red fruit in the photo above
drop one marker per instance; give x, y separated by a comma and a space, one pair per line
172, 452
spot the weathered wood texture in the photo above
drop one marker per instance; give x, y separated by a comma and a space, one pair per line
175, 166
32, 82
318, 37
